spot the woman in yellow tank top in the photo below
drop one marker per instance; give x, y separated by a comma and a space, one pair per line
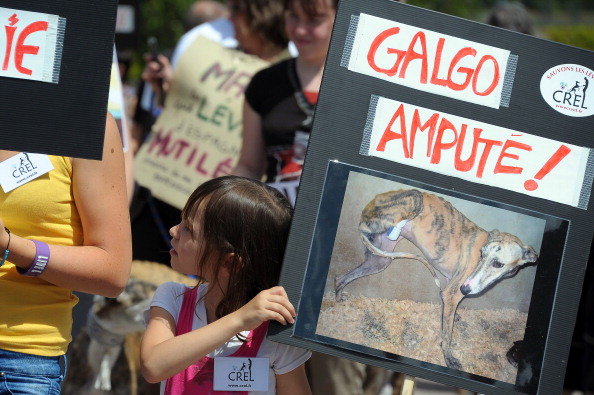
64, 226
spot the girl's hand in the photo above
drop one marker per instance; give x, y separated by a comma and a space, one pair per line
270, 304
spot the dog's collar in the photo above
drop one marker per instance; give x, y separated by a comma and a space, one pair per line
100, 334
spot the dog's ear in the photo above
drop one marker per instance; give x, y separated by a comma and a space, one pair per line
494, 234
529, 255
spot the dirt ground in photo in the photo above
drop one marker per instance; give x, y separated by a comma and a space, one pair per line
411, 329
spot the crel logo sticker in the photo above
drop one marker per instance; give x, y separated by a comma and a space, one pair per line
569, 89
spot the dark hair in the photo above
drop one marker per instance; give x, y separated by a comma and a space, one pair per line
512, 16
309, 6
265, 18
249, 219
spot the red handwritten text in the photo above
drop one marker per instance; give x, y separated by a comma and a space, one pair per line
20, 49
445, 135
458, 78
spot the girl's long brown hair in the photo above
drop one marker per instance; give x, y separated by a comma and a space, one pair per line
247, 218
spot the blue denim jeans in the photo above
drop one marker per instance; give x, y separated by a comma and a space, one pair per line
30, 374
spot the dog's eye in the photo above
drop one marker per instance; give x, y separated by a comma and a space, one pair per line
497, 264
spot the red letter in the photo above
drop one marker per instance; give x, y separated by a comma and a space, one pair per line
461, 54
416, 125
499, 168
488, 145
9, 36
437, 63
412, 55
439, 145
22, 49
495, 77
389, 135
375, 45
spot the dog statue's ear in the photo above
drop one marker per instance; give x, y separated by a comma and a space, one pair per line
529, 255
494, 234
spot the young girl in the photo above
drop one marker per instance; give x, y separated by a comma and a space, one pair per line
232, 235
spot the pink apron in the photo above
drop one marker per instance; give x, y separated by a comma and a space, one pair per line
198, 378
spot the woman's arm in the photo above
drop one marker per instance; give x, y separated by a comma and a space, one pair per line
252, 160
293, 383
162, 354
102, 265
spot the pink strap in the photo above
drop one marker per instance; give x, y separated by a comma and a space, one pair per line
198, 378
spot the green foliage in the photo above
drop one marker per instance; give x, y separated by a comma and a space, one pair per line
162, 19
461, 8
581, 36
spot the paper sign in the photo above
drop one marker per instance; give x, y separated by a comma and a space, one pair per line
198, 135
429, 61
31, 45
241, 374
475, 151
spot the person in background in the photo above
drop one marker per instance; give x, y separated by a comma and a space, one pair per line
66, 230
512, 16
200, 15
232, 235
277, 119
256, 28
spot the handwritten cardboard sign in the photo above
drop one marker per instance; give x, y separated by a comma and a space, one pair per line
198, 135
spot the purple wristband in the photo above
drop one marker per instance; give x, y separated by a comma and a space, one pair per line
42, 255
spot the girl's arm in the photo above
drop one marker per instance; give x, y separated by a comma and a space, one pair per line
252, 159
293, 383
102, 265
163, 354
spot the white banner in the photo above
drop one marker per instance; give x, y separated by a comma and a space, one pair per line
31, 46
429, 61
475, 151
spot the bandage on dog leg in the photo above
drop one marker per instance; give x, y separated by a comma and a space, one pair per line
394, 232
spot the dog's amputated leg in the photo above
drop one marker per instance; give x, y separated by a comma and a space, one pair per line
371, 265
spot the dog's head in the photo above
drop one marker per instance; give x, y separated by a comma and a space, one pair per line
124, 314
500, 257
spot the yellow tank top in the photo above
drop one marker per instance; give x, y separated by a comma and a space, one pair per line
36, 316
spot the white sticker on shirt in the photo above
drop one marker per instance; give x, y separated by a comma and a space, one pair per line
23, 168
241, 374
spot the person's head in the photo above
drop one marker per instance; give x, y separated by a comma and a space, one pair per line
203, 11
233, 230
309, 26
259, 26
511, 16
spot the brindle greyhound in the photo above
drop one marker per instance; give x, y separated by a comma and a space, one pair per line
470, 258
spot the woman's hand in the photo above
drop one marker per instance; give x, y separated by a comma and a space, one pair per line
158, 73
270, 304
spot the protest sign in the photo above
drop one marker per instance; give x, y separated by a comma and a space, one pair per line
197, 136
455, 159
56, 60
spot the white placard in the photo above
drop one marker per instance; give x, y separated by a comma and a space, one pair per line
429, 61
31, 45
475, 151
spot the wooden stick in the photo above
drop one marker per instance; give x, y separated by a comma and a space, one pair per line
408, 385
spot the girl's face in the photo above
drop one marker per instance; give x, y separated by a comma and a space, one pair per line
185, 248
311, 34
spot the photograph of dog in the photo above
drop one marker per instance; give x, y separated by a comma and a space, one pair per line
435, 253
